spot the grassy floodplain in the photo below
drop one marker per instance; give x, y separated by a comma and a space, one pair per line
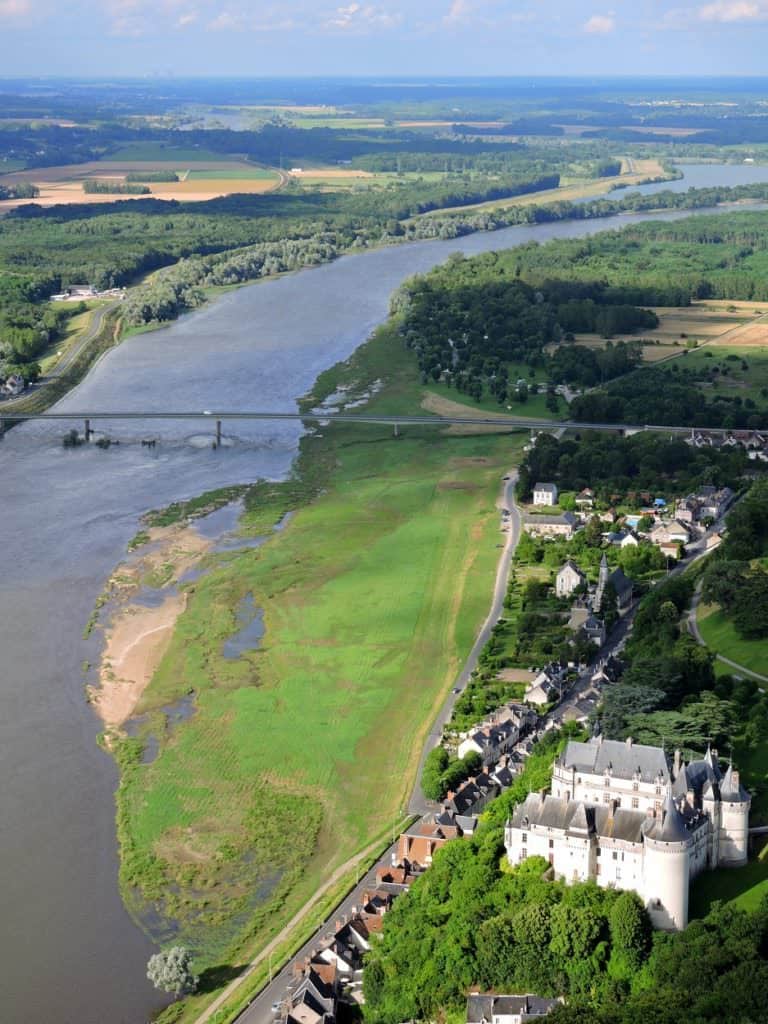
302, 752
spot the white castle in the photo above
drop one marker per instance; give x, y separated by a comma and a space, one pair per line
621, 815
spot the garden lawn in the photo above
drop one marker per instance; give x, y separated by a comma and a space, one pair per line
720, 635
302, 752
745, 887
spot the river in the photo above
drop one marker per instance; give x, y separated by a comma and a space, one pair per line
70, 952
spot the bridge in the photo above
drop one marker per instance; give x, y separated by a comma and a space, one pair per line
89, 417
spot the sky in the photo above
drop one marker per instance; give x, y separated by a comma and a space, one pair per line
393, 37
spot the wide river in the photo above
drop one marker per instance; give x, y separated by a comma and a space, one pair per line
70, 953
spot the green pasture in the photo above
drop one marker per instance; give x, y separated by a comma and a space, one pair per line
233, 173
732, 379
720, 635
302, 751
534, 407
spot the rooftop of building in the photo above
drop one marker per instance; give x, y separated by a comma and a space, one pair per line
622, 759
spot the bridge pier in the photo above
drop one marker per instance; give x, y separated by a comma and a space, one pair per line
395, 430
218, 433
88, 430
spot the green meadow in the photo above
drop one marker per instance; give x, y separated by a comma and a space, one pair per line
303, 751
233, 173
720, 635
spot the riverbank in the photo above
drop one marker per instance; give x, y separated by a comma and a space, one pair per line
372, 596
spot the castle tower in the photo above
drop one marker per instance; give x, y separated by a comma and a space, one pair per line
666, 868
710, 804
733, 837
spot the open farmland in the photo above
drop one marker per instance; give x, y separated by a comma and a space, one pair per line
701, 323
208, 179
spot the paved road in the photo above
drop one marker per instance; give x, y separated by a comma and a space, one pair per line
67, 360
506, 422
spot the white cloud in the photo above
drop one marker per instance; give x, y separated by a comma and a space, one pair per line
186, 19
600, 24
357, 17
15, 8
732, 10
458, 11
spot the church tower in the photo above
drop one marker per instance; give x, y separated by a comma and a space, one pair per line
602, 582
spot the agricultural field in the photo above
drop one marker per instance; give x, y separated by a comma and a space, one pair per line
315, 736
702, 323
208, 179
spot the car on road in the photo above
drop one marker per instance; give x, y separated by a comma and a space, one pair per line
456, 689
275, 1008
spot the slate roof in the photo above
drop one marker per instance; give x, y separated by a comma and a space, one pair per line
564, 519
482, 1007
580, 819
547, 488
623, 759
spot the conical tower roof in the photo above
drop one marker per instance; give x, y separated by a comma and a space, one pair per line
673, 828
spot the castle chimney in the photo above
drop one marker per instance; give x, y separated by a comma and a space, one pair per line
677, 763
689, 798
735, 777
629, 741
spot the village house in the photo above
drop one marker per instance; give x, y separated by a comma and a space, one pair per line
569, 578
547, 686
585, 499
490, 741
563, 525
14, 385
670, 533
545, 494
621, 815
707, 503
488, 1008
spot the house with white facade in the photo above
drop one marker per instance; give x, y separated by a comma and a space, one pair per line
569, 578
621, 815
489, 1008
545, 494
563, 525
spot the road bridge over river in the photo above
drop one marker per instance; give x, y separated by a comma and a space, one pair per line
89, 417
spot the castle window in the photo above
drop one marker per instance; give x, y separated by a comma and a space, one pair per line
597, 867
523, 854
597, 852
525, 837
606, 798
635, 803
635, 786
551, 844
615, 855
578, 780
607, 781
658, 791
